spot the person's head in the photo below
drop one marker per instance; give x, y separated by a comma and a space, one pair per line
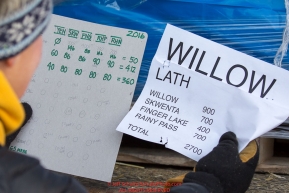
21, 25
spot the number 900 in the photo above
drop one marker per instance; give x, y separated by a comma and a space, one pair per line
208, 110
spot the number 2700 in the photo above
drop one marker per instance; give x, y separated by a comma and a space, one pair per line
194, 149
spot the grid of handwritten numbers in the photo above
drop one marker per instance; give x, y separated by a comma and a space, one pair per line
91, 51
79, 94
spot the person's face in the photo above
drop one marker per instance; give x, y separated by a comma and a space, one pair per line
20, 68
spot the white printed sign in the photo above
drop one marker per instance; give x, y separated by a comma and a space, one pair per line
79, 94
197, 90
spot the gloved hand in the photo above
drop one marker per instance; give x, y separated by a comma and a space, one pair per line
28, 113
223, 169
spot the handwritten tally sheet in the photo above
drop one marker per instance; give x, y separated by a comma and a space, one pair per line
197, 90
80, 92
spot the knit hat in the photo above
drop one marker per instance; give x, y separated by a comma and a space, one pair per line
21, 28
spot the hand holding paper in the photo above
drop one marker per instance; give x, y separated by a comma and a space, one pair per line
223, 169
197, 90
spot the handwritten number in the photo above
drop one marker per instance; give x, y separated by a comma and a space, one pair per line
78, 72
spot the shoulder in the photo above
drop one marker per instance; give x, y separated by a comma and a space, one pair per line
20, 173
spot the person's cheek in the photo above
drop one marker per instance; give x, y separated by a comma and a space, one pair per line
32, 60
38, 52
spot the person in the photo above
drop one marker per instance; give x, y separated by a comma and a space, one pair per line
21, 25
223, 170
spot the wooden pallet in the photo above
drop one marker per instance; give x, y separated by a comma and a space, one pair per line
152, 156
269, 160
148, 153
140, 151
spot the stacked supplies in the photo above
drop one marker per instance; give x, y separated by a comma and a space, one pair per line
252, 27
280, 132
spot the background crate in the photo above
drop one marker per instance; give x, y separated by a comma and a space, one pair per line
139, 151
274, 156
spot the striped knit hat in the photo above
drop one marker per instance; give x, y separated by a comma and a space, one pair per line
20, 29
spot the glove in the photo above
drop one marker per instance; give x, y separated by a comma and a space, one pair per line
28, 114
223, 169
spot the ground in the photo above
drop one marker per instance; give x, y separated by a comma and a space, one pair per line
261, 183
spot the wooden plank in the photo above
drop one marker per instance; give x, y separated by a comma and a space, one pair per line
279, 165
266, 149
267, 163
278, 161
154, 156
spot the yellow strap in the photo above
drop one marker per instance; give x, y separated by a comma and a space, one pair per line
11, 111
249, 151
173, 181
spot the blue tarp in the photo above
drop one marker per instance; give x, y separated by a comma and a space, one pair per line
254, 27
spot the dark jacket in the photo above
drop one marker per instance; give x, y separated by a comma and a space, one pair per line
22, 174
